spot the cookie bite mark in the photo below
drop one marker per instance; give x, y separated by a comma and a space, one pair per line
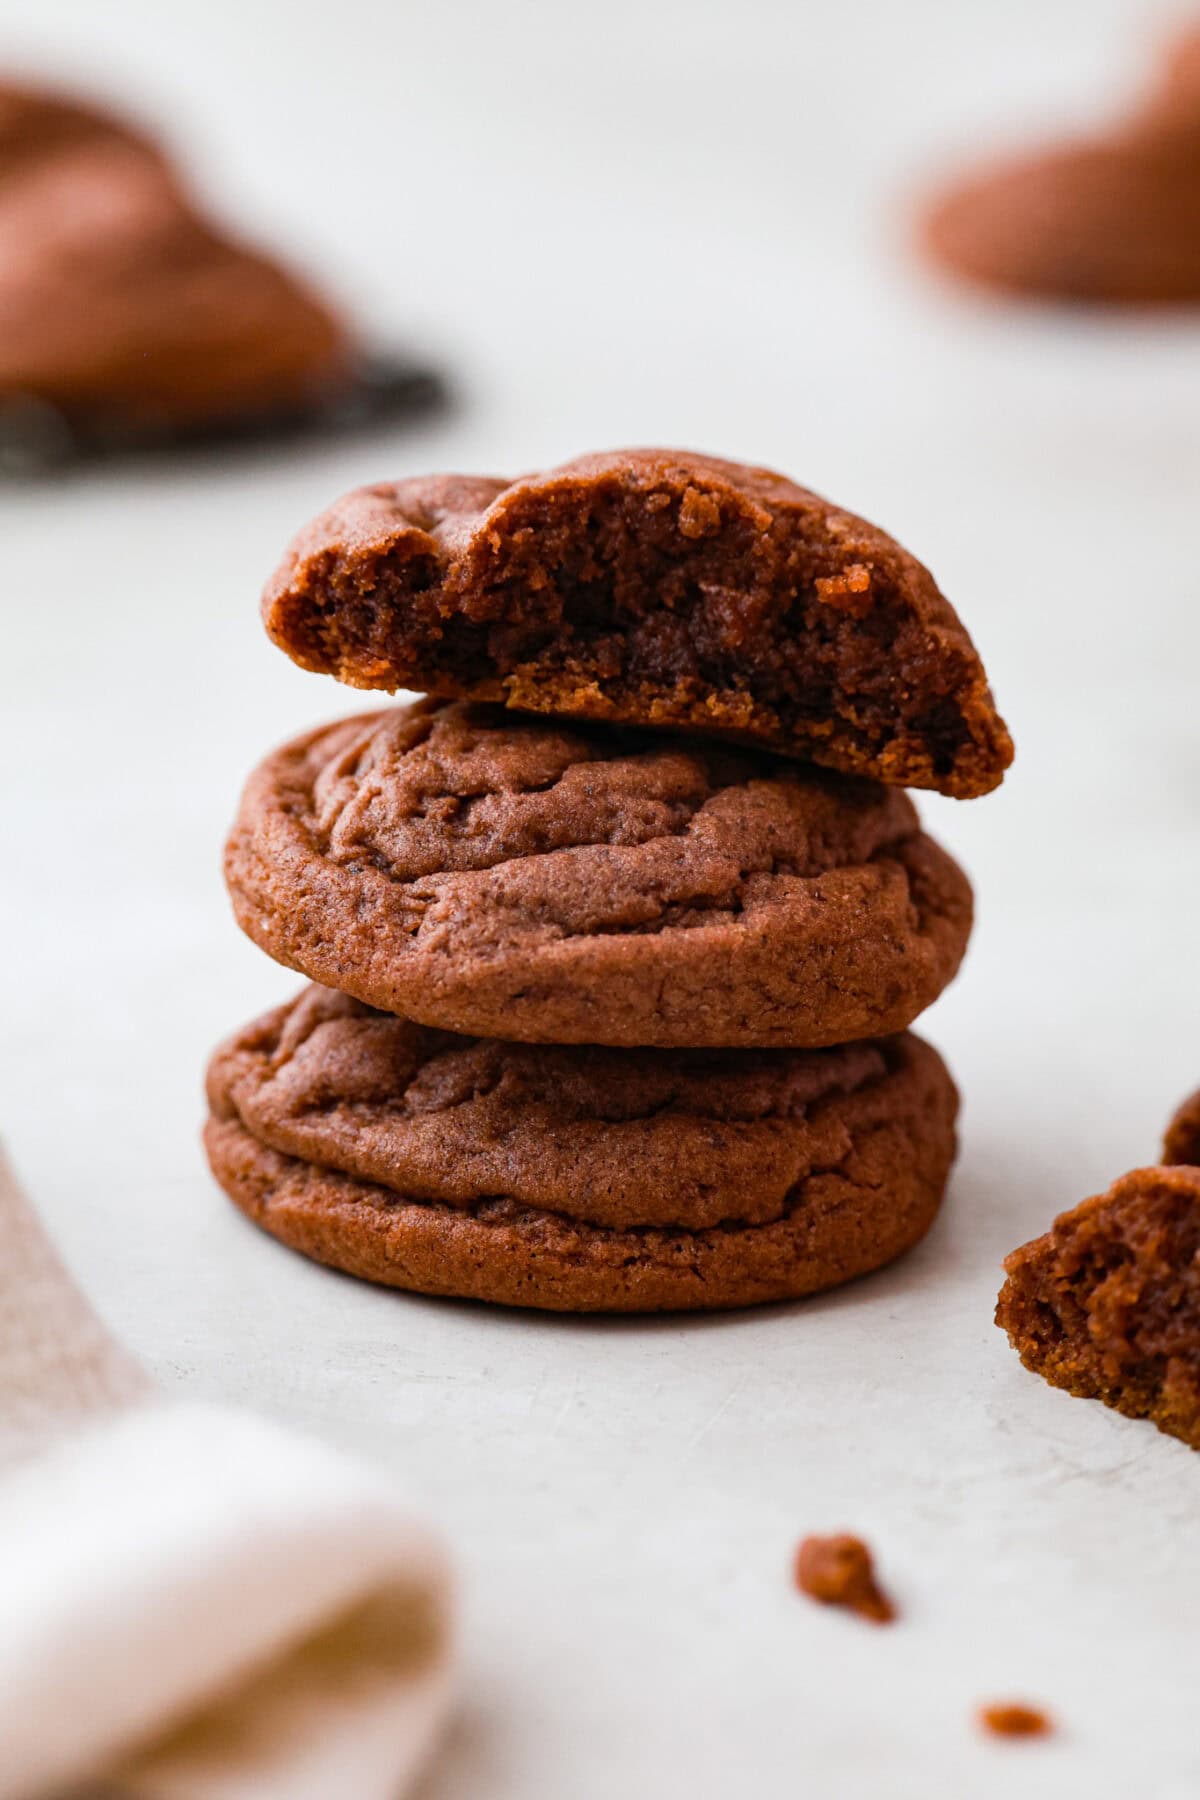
655, 588
553, 882
1107, 1303
839, 1571
1013, 1719
1182, 1142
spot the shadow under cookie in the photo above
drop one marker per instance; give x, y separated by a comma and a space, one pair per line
574, 1180
37, 438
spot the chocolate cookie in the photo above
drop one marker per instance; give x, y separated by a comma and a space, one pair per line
1182, 1142
1107, 1303
577, 1179
1116, 220
556, 883
121, 307
655, 588
1111, 219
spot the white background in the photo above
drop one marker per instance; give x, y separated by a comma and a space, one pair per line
685, 224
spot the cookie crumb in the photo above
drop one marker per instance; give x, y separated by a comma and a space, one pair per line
1009, 1718
838, 1571
699, 514
849, 592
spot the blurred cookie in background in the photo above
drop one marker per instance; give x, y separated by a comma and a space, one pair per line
130, 320
35, 122
1179, 88
1110, 220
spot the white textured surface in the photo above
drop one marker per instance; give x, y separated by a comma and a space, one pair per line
677, 224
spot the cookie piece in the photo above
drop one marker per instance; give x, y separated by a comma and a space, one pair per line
553, 883
576, 1179
1014, 1719
1182, 1142
840, 1571
122, 309
1107, 1303
649, 587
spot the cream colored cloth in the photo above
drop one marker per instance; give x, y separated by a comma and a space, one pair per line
194, 1604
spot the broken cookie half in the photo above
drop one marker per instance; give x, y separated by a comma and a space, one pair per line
1107, 1303
656, 588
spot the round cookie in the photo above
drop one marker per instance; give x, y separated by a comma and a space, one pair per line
555, 883
574, 1179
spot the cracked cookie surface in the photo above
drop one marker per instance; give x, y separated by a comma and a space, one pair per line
558, 883
573, 1178
652, 588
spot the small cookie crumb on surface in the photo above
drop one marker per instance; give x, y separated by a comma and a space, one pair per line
838, 1571
1007, 1718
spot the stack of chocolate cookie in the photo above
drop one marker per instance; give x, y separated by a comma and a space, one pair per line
619, 933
